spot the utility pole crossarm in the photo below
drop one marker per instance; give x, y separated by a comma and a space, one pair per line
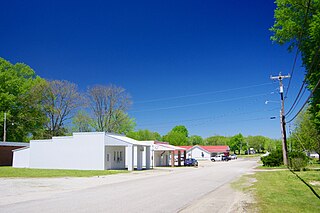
279, 77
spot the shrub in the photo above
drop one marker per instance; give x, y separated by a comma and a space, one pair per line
273, 159
297, 160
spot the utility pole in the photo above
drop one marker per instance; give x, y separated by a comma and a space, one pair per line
282, 118
4, 127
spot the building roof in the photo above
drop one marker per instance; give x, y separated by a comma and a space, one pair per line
209, 149
186, 147
128, 140
14, 144
216, 148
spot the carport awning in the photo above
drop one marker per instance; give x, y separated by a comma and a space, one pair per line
127, 140
167, 147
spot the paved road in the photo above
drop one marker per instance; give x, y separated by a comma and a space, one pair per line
160, 190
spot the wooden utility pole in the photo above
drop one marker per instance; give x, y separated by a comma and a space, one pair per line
282, 118
5, 127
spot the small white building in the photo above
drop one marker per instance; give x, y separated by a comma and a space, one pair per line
205, 152
84, 151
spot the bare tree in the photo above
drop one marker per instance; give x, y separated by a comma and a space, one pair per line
109, 104
59, 101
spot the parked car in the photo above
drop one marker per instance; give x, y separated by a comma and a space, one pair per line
226, 158
191, 162
233, 156
220, 158
216, 158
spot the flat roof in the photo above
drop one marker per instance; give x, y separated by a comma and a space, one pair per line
14, 143
128, 140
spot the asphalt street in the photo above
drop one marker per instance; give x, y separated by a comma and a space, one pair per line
159, 190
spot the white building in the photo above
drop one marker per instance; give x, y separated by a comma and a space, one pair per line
84, 151
205, 152
161, 153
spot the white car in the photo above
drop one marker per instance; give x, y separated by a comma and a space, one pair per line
233, 156
216, 158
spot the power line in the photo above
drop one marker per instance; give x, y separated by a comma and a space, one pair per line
302, 86
198, 104
297, 102
292, 71
202, 93
297, 51
305, 103
233, 121
206, 118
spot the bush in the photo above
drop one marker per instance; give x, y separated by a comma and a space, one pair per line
273, 159
297, 160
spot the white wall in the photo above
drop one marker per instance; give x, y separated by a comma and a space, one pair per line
21, 158
82, 151
196, 153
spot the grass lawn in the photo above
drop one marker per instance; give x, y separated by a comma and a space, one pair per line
9, 172
250, 156
272, 167
283, 191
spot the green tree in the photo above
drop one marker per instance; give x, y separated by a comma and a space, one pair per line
196, 140
298, 24
82, 122
121, 123
24, 115
236, 142
181, 129
305, 136
144, 135
216, 140
176, 138
256, 142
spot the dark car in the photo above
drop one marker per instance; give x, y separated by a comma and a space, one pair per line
191, 162
225, 158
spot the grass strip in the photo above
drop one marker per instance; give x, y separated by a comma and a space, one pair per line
283, 191
9, 172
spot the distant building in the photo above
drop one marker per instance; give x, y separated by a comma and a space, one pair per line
205, 152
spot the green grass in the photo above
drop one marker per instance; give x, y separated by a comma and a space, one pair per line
283, 191
272, 167
250, 156
9, 172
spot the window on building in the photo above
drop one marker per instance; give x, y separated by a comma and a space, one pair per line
120, 156
107, 157
114, 156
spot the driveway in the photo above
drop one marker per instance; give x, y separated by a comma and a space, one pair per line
159, 190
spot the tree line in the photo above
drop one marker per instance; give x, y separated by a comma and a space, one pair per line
38, 108
179, 136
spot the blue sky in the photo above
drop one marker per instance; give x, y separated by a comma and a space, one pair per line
202, 64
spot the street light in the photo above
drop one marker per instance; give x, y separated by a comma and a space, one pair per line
266, 102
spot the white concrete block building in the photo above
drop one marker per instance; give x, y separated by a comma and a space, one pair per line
84, 151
